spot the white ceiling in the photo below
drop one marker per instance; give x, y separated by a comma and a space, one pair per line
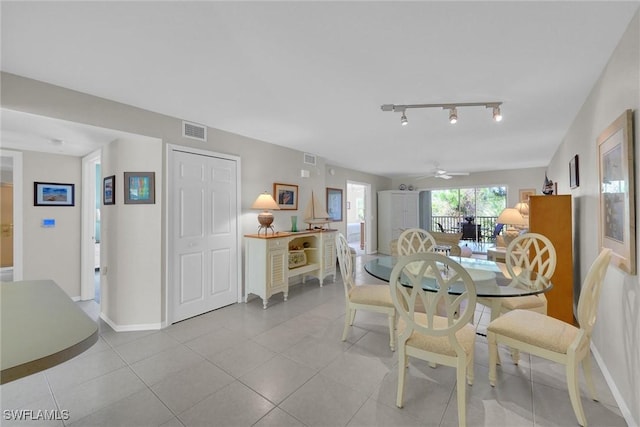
313, 75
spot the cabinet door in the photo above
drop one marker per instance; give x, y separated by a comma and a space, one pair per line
329, 255
398, 208
411, 211
277, 264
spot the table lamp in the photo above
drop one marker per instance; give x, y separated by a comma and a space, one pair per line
265, 202
513, 217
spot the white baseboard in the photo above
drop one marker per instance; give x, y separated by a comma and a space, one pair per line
624, 409
130, 328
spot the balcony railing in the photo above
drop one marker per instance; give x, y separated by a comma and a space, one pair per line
453, 224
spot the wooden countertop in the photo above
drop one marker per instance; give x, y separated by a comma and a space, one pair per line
279, 234
40, 327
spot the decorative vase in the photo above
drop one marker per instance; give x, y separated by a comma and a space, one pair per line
294, 223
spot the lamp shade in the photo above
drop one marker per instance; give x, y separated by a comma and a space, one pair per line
523, 208
265, 201
511, 216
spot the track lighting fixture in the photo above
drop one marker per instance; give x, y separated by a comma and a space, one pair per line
453, 116
497, 115
452, 107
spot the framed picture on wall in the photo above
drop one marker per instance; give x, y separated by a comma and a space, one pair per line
53, 194
334, 204
286, 196
139, 188
574, 172
617, 192
525, 193
109, 190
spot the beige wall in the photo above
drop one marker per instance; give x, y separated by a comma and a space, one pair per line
262, 164
52, 253
616, 340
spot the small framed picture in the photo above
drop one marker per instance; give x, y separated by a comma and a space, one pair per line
109, 190
525, 193
334, 204
286, 196
53, 194
574, 172
139, 188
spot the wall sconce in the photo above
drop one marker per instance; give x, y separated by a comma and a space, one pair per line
265, 202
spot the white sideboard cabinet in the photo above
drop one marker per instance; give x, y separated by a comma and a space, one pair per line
397, 211
271, 260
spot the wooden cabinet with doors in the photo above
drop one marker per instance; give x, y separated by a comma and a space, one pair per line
271, 260
551, 216
397, 211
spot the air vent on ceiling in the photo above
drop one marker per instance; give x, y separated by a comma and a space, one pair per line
309, 159
194, 131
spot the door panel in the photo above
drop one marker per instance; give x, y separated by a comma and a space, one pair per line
204, 234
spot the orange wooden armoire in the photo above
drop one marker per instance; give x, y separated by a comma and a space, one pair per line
551, 216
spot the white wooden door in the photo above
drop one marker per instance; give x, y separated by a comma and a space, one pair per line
205, 243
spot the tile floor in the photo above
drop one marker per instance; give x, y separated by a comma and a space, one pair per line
286, 366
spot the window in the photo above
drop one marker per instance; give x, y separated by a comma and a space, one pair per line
481, 205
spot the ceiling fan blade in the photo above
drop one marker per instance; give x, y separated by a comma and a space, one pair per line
458, 173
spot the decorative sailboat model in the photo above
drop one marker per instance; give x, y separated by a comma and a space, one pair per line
315, 214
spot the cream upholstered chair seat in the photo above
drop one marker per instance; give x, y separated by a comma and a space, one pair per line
466, 336
536, 329
554, 339
422, 332
378, 295
373, 298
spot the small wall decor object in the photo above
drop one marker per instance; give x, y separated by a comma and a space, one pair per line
525, 193
334, 204
574, 172
53, 194
286, 196
109, 190
139, 188
547, 188
617, 192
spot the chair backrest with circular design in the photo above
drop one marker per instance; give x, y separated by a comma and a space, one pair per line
590, 291
434, 271
531, 252
414, 240
346, 263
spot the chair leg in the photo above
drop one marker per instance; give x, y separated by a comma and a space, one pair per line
462, 391
574, 390
515, 355
469, 368
392, 331
493, 356
586, 366
402, 372
352, 316
347, 323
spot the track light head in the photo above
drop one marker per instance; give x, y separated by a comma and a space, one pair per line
497, 115
403, 120
453, 115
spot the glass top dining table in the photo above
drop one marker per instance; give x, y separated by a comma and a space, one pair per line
491, 278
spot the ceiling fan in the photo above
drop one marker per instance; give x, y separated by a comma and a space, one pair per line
443, 174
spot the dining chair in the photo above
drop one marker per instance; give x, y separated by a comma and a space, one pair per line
532, 252
553, 339
527, 252
414, 240
374, 298
448, 339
